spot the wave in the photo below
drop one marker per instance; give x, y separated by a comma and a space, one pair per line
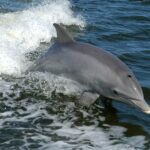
23, 31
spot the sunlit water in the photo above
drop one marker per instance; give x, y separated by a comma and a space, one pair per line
37, 111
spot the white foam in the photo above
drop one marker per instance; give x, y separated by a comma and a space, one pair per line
60, 84
69, 137
21, 32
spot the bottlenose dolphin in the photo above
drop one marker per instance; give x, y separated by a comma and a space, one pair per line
103, 73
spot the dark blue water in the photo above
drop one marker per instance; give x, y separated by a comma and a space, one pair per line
34, 117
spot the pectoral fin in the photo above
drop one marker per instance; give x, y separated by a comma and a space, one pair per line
88, 98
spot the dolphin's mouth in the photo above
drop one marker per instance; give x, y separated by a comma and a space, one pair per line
137, 103
141, 105
147, 111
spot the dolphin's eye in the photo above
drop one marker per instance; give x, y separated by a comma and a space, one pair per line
115, 92
129, 76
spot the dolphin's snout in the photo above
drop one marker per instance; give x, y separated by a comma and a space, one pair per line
147, 111
142, 105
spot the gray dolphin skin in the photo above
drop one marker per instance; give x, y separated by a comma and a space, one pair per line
103, 73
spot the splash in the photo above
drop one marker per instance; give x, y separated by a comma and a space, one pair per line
45, 123
22, 32
35, 126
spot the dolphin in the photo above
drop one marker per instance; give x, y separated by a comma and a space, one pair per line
102, 72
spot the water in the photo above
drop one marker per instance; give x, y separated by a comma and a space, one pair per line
37, 111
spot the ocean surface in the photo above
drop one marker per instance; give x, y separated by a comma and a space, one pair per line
37, 110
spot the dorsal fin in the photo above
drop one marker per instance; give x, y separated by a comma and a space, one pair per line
62, 35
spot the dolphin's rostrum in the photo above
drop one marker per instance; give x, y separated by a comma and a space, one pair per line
103, 73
